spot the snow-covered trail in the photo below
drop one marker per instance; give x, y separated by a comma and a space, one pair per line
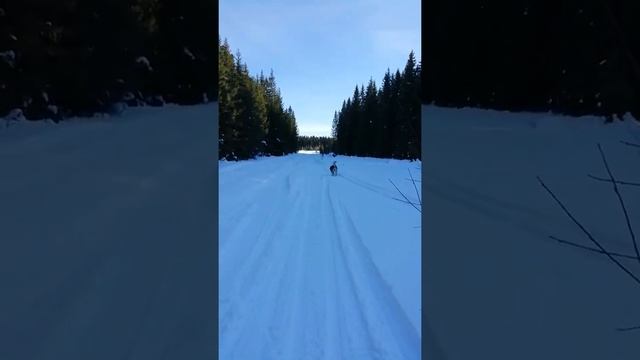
302, 274
107, 237
496, 286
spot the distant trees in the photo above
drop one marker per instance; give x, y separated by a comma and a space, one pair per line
253, 119
572, 57
324, 144
382, 122
70, 57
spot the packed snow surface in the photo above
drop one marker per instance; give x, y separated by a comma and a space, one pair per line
107, 236
314, 266
308, 152
496, 285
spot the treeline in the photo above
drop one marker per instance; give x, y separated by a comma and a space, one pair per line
76, 58
382, 122
573, 57
253, 119
324, 144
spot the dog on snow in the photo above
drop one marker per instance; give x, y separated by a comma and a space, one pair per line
334, 169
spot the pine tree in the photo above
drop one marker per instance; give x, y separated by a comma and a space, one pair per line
228, 110
355, 139
369, 120
382, 122
334, 125
409, 99
384, 125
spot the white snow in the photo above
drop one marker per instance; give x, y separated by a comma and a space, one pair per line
117, 109
155, 99
15, 115
9, 57
497, 287
317, 266
188, 53
107, 236
9, 120
128, 96
145, 62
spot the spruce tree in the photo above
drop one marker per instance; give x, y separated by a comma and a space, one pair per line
382, 122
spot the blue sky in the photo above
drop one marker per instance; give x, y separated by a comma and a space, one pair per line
320, 50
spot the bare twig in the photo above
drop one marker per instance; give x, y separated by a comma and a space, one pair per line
617, 181
600, 249
624, 208
630, 144
405, 201
409, 201
586, 232
416, 180
415, 187
591, 248
629, 328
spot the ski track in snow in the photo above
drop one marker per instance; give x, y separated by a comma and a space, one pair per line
106, 232
299, 282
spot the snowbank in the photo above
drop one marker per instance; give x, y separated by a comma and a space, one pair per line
497, 287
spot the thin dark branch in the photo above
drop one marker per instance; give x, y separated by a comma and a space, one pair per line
629, 328
624, 208
409, 201
415, 187
416, 180
630, 144
586, 232
617, 181
591, 248
405, 201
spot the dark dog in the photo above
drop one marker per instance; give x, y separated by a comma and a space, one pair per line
334, 169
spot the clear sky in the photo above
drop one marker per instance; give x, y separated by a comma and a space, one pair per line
320, 50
